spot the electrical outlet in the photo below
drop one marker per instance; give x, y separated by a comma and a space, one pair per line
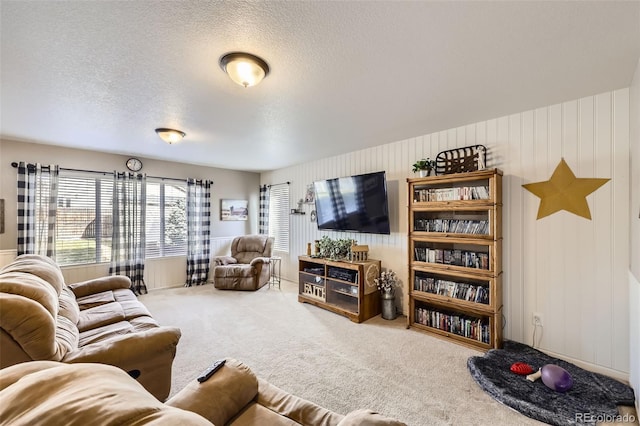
537, 319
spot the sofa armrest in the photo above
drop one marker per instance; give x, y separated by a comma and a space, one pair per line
224, 260
295, 408
368, 417
221, 397
258, 260
98, 285
129, 350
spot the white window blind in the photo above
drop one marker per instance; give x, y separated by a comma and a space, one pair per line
279, 217
83, 219
166, 229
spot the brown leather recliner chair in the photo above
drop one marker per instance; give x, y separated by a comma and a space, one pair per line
248, 267
100, 321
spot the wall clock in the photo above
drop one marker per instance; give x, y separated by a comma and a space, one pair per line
134, 164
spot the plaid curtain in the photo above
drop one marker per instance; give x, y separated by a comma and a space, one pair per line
264, 210
128, 237
37, 206
198, 231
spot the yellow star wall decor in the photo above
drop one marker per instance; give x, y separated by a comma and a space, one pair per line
564, 191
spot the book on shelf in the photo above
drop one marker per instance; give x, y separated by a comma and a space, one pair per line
463, 325
451, 194
467, 259
456, 226
453, 289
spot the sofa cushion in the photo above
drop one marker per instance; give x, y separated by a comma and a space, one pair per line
40, 266
67, 306
47, 393
245, 249
131, 306
251, 243
67, 335
97, 299
49, 331
256, 414
30, 287
143, 323
241, 271
35, 332
100, 315
99, 334
106, 332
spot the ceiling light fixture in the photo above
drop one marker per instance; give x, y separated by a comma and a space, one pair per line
244, 68
170, 135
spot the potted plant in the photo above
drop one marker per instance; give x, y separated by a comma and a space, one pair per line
387, 283
334, 249
424, 166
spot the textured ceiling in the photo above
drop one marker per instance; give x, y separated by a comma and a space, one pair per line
344, 75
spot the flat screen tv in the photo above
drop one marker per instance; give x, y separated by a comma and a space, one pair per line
353, 204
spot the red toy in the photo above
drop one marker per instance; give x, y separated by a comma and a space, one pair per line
521, 368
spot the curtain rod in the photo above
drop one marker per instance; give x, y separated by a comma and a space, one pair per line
277, 184
15, 165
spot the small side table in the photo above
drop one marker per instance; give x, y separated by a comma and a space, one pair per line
275, 263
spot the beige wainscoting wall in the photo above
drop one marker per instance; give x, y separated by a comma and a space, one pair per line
161, 272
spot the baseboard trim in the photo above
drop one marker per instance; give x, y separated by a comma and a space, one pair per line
616, 374
165, 287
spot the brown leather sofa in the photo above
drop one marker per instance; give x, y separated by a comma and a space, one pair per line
51, 393
101, 320
248, 267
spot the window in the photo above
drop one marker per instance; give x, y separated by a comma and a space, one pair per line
83, 219
279, 217
166, 225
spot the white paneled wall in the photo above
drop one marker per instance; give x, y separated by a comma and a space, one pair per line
571, 270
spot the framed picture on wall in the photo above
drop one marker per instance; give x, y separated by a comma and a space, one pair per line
234, 209
310, 195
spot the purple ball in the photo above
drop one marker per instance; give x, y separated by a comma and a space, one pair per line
556, 378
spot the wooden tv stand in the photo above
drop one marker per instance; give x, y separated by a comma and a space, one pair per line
346, 288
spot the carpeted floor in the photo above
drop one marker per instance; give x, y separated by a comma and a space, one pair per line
326, 358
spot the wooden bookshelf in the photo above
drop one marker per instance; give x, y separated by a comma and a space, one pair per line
345, 288
455, 257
